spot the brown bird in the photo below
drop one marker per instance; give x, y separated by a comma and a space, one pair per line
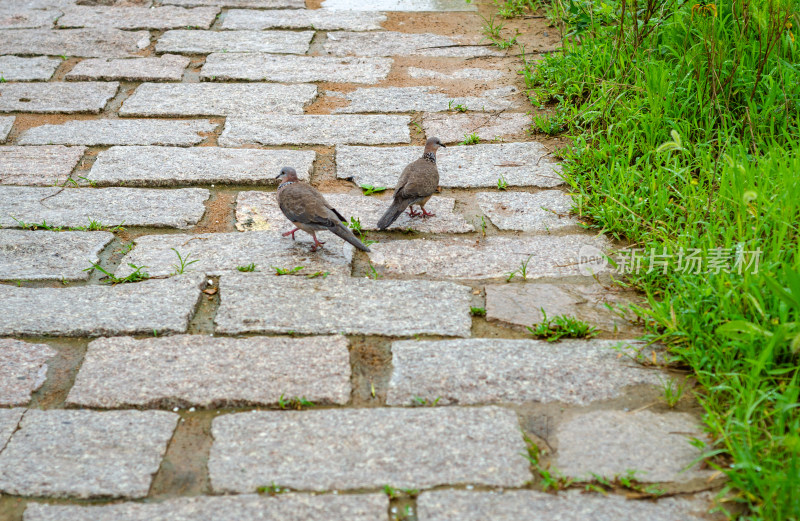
305, 207
416, 185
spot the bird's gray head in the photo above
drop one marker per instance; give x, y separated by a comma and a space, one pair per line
287, 174
433, 144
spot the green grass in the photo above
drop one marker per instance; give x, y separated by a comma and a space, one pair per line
562, 326
685, 137
138, 274
247, 268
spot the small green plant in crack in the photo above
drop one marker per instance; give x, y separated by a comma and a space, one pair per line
323, 274
492, 28
628, 481
247, 268
395, 493
2, 79
451, 105
369, 189
551, 478
183, 262
63, 57
477, 312
482, 224
355, 225
272, 489
296, 402
522, 270
424, 402
372, 272
286, 271
136, 275
390, 491
90, 182
502, 184
560, 327
673, 391
471, 139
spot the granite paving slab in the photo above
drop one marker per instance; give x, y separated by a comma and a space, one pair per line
40, 166
85, 454
23, 368
492, 257
469, 73
56, 97
39, 68
242, 507
480, 371
125, 17
9, 420
217, 99
399, 5
218, 253
315, 130
318, 19
6, 123
205, 42
367, 448
195, 370
161, 305
179, 208
421, 99
46, 255
262, 4
164, 166
293, 69
260, 211
520, 305
570, 505
454, 128
86, 43
21, 18
656, 446
474, 166
256, 303
167, 67
545, 211
390, 43
104, 132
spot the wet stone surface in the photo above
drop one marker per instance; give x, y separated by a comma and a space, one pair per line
167, 67
106, 132
138, 17
165, 166
260, 211
218, 253
108, 206
367, 448
85, 454
657, 446
475, 166
205, 371
421, 99
163, 305
455, 128
85, 43
40, 68
217, 99
293, 69
23, 368
56, 97
545, 211
206, 42
343, 43
45, 255
40, 166
255, 303
475, 371
320, 20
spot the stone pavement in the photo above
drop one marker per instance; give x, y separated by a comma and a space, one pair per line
144, 137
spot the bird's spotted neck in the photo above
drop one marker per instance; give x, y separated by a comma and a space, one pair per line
430, 156
284, 185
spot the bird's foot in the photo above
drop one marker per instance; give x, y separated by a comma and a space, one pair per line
427, 214
317, 244
292, 232
412, 213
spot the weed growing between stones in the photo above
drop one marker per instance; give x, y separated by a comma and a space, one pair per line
562, 326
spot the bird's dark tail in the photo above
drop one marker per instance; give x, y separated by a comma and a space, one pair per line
348, 235
391, 215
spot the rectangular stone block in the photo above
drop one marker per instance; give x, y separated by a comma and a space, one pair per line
167, 67
12, 17
474, 166
455, 128
85, 43
124, 17
165, 166
198, 370
206, 42
317, 19
219, 253
367, 448
626, 440
469, 73
260, 211
85, 454
108, 206
45, 255
241, 507
293, 69
389, 43
269, 304
493, 257
40, 68
56, 97
9, 419
260, 4
217, 99
163, 305
6, 123
545, 211
476, 371
570, 505
104, 132
315, 130
40, 166
23, 369
399, 5
422, 99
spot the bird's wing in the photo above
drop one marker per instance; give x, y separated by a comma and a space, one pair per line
421, 180
304, 204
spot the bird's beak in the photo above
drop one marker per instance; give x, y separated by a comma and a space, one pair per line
278, 176
441, 145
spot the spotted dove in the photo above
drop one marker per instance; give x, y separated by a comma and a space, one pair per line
416, 185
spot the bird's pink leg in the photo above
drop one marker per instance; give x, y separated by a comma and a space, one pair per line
411, 212
317, 242
426, 214
290, 233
